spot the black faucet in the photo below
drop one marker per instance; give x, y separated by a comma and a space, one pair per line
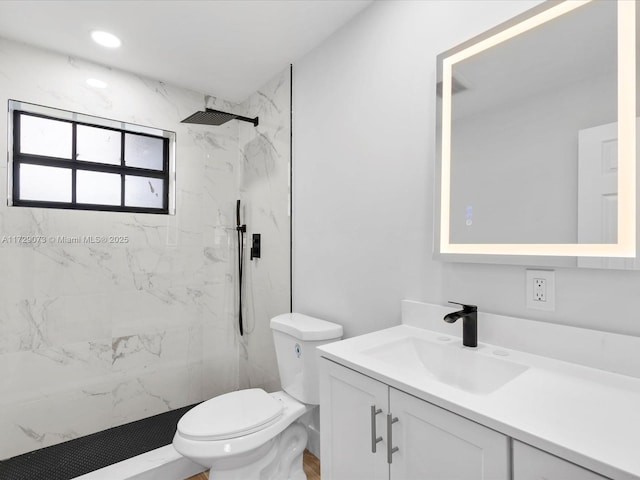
469, 316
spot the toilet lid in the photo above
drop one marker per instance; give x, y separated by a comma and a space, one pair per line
230, 415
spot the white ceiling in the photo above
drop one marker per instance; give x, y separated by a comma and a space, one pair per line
225, 48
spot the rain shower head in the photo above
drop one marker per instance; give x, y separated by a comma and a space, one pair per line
216, 117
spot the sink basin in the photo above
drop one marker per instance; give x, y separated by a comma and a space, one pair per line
449, 363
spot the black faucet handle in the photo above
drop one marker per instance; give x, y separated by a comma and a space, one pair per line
466, 307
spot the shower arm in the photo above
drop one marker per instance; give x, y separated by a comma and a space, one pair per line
238, 117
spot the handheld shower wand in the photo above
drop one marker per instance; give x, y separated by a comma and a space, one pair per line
241, 229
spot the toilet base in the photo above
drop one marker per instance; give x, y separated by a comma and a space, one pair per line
279, 459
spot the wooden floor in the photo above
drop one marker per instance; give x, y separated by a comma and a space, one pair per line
311, 466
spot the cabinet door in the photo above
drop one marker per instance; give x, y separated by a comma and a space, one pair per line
346, 398
529, 463
434, 443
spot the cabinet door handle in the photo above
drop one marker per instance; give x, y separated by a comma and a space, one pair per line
374, 439
390, 448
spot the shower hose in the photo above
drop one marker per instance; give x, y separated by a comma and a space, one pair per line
241, 229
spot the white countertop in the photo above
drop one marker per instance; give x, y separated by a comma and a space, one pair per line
585, 415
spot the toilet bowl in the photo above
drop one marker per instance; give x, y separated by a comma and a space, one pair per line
251, 434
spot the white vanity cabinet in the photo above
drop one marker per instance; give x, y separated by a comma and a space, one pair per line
415, 439
529, 463
346, 398
434, 443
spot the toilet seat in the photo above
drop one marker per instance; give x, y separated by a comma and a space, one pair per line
231, 415
198, 448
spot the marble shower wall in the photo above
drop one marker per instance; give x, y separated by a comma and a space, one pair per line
264, 191
93, 336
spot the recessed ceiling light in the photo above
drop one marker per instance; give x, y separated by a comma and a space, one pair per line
106, 39
94, 82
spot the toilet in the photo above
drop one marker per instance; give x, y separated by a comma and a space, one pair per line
254, 435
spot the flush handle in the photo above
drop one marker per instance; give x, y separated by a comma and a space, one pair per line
374, 439
390, 448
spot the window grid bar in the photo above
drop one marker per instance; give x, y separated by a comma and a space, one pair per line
122, 164
88, 206
16, 148
122, 147
79, 122
165, 154
74, 155
82, 165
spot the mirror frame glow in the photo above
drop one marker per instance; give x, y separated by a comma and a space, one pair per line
626, 246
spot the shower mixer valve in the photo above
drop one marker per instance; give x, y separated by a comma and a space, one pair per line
255, 246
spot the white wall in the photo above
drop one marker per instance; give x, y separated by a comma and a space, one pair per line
364, 143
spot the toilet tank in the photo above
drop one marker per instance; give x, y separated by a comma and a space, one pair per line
296, 337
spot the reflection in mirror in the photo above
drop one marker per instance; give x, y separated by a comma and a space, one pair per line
521, 115
537, 135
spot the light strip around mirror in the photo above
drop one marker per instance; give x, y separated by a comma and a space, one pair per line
626, 246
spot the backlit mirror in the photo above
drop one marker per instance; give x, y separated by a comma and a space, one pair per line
537, 139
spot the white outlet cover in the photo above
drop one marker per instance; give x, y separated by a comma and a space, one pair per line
549, 276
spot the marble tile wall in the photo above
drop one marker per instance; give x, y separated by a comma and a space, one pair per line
264, 187
93, 336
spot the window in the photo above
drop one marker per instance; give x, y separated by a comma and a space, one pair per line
63, 159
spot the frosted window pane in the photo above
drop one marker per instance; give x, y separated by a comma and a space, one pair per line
51, 184
42, 136
98, 145
143, 191
143, 152
97, 187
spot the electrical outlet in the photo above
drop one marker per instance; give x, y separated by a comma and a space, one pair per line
540, 290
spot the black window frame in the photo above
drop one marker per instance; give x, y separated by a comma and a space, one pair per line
74, 165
